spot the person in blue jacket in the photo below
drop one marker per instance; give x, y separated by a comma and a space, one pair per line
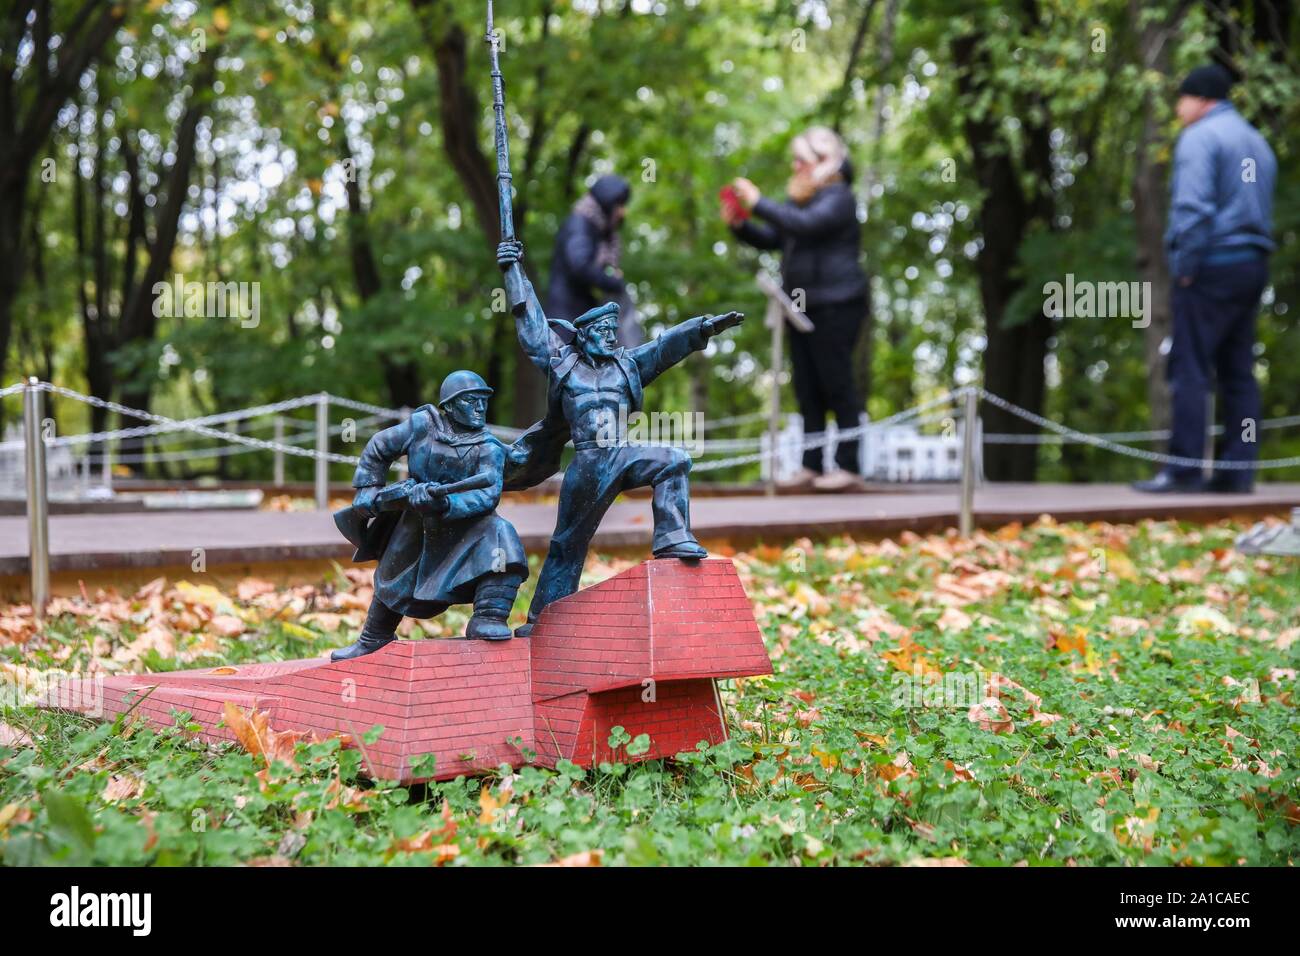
1218, 241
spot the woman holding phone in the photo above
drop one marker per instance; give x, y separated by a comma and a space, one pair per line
817, 230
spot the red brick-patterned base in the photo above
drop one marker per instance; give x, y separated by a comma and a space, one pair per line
641, 650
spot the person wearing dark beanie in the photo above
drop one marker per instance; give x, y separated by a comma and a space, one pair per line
1208, 82
585, 268
1218, 240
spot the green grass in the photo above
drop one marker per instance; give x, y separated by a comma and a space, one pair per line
835, 759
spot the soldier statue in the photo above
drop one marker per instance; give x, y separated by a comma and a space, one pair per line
593, 384
437, 536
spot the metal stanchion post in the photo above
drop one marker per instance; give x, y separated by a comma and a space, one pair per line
967, 523
322, 449
278, 468
38, 523
1207, 451
777, 320
106, 459
780, 309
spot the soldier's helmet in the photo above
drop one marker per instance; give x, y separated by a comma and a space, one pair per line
460, 382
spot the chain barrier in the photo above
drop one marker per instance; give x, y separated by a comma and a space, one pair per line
177, 424
813, 440
120, 435
174, 425
221, 451
1139, 453
1015, 438
1058, 433
364, 407
731, 421
1012, 438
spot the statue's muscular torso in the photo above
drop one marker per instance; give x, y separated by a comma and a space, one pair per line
592, 395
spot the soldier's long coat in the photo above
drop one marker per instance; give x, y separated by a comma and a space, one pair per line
430, 562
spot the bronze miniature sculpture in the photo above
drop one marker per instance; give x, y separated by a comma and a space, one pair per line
437, 536
449, 708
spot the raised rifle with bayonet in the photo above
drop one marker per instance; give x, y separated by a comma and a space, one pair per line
368, 530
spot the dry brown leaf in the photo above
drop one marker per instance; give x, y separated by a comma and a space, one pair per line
991, 714
489, 806
227, 625
953, 619
250, 588
14, 813
13, 737
153, 589
937, 861
908, 657
1066, 641
807, 718
1128, 626
423, 843
254, 734
999, 683
153, 638
901, 766
958, 771
122, 787
585, 858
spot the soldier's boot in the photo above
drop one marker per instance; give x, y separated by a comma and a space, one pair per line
380, 629
492, 603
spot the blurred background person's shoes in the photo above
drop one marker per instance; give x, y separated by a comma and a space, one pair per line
1231, 483
1165, 483
801, 480
839, 480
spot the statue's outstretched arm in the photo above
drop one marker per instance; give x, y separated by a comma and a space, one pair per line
655, 358
535, 336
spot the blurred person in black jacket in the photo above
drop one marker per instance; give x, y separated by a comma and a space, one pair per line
817, 230
585, 266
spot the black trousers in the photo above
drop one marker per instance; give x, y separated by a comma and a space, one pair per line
822, 365
1214, 341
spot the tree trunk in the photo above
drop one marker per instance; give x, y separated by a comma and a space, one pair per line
1150, 206
24, 134
402, 376
864, 347
461, 117
851, 64
138, 322
1016, 345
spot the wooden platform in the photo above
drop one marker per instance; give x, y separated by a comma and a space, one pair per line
115, 542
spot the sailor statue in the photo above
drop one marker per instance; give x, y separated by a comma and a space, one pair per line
593, 386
